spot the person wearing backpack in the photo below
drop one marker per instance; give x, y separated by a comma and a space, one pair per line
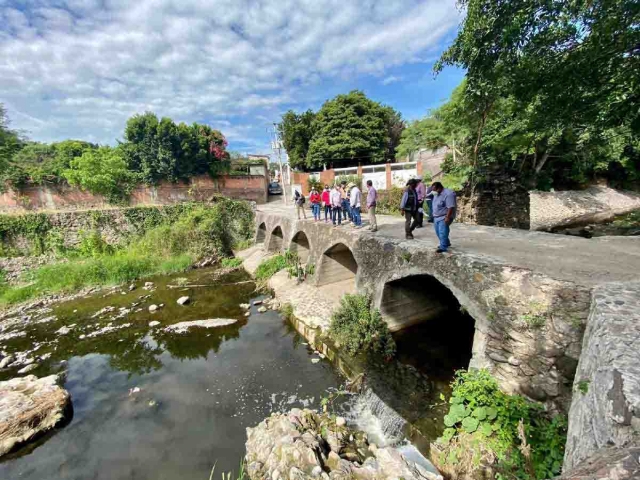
299, 201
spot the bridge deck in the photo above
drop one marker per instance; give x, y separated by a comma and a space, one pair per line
584, 261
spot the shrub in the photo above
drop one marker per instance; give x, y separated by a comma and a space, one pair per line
389, 201
349, 179
317, 184
492, 419
287, 311
360, 329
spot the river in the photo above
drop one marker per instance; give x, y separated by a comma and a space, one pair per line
150, 404
153, 404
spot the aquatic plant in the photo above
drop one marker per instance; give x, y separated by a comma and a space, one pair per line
517, 437
359, 328
231, 262
269, 267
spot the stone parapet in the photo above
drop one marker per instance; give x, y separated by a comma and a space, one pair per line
605, 410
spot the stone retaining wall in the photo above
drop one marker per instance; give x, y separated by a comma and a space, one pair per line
605, 411
550, 210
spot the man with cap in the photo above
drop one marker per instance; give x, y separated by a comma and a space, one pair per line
355, 204
409, 207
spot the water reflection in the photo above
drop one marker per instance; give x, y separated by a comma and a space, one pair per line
154, 405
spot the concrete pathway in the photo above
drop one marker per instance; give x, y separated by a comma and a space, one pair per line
584, 261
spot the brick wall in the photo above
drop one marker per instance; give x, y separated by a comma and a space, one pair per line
245, 187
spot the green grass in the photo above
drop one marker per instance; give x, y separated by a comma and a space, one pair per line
231, 262
167, 248
74, 275
270, 267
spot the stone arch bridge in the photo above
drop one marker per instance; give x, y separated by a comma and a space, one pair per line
529, 293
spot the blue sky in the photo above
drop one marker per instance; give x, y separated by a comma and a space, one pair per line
80, 68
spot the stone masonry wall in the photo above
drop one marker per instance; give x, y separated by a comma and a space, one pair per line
605, 411
500, 201
550, 210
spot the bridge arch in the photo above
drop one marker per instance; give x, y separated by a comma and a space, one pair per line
301, 246
428, 315
337, 264
261, 234
276, 240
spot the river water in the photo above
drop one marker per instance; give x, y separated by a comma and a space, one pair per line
153, 404
149, 404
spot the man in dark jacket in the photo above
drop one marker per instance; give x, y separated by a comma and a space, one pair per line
409, 207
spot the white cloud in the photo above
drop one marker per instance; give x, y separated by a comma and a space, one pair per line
391, 79
80, 68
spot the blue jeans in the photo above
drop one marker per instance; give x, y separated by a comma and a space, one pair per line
346, 209
355, 215
327, 212
315, 208
442, 231
336, 213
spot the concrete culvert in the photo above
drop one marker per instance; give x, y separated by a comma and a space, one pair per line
300, 245
337, 265
276, 241
261, 235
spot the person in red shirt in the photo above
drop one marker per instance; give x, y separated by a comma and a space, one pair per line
315, 200
326, 203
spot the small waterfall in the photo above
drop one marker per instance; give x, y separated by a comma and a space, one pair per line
381, 423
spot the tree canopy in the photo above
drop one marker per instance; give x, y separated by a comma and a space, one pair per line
348, 129
552, 89
153, 150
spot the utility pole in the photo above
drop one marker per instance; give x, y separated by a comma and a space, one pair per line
276, 146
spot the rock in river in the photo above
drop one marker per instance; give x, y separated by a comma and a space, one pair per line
183, 327
30, 406
184, 300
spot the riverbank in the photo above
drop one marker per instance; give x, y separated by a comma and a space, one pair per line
164, 242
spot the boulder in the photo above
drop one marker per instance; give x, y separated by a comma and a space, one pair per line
184, 300
29, 407
153, 308
303, 442
154, 323
262, 309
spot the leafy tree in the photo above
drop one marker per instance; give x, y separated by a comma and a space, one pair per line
352, 128
296, 131
102, 171
550, 84
162, 150
10, 143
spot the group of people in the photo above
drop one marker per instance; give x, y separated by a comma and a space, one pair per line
344, 201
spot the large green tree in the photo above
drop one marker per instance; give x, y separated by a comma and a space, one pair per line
159, 149
347, 130
553, 87
296, 131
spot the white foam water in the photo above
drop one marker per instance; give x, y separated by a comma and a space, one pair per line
382, 424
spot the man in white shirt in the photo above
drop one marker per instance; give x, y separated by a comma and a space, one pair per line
356, 204
336, 205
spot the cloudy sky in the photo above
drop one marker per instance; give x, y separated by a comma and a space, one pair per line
80, 68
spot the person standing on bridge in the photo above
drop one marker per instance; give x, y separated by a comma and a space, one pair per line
421, 191
336, 205
409, 207
326, 203
314, 199
346, 202
372, 199
299, 201
444, 212
356, 204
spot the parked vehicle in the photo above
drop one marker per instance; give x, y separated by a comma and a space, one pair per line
275, 188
